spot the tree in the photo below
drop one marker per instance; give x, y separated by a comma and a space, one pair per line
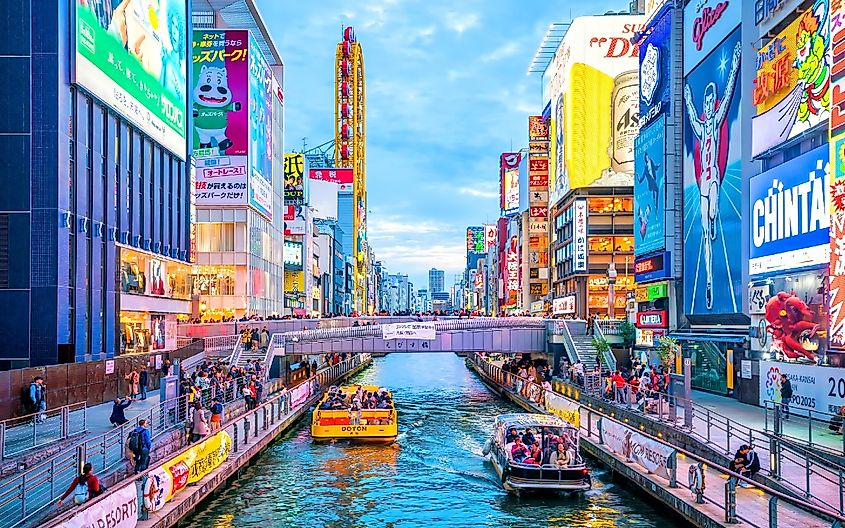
602, 347
628, 333
666, 350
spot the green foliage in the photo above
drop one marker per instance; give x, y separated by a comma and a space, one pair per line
667, 350
601, 345
628, 333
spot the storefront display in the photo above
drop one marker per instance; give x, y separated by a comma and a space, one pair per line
143, 274
213, 280
134, 334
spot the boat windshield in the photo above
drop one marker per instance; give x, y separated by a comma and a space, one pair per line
542, 445
356, 398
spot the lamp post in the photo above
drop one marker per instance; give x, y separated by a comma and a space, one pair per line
611, 284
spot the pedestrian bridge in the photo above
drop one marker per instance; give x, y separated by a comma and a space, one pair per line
503, 335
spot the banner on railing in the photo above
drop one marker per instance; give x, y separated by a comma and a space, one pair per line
118, 509
622, 440
186, 468
299, 394
409, 331
566, 409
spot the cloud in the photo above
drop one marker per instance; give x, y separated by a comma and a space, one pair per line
461, 22
391, 225
478, 193
506, 50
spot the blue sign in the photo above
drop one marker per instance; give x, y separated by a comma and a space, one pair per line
650, 187
713, 182
790, 214
655, 70
653, 268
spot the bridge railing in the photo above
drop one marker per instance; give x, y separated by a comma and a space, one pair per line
24, 433
759, 509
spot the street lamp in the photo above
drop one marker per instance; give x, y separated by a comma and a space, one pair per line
611, 283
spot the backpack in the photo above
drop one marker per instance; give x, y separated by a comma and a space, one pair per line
135, 441
80, 492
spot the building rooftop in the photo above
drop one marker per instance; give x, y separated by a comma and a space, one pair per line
237, 14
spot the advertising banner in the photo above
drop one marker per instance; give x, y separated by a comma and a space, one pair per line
185, 468
292, 253
836, 271
132, 56
653, 319
538, 174
795, 317
475, 240
537, 128
300, 394
813, 387
792, 89
294, 179
260, 131
509, 176
712, 183
409, 331
594, 96
579, 239
322, 197
706, 24
650, 188
219, 100
491, 235
340, 176
294, 221
564, 408
119, 509
512, 266
563, 305
655, 71
624, 441
790, 214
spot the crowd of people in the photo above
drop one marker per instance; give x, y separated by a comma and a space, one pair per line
528, 377
547, 448
358, 401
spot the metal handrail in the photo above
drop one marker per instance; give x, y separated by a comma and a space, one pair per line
799, 413
24, 495
608, 326
275, 410
216, 343
561, 328
23, 433
727, 503
607, 356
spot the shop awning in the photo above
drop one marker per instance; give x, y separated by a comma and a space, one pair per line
719, 338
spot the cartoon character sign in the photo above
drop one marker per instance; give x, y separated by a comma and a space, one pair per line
212, 106
795, 331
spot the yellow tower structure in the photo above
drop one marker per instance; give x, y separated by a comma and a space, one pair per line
350, 151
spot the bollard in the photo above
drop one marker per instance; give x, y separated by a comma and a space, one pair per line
774, 456
255, 421
672, 466
730, 501
246, 431
264, 412
773, 512
65, 422
778, 425
235, 438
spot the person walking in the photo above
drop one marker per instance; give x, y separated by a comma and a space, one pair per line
118, 416
785, 395
143, 381
199, 429
140, 443
84, 487
132, 382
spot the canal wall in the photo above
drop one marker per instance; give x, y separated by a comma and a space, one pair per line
655, 487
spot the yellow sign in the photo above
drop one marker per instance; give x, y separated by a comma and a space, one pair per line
294, 281
642, 294
567, 410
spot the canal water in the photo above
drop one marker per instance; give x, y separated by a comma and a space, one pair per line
435, 477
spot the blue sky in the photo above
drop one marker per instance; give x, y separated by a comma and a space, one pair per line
447, 92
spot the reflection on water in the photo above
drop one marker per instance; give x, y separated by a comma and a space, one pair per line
435, 476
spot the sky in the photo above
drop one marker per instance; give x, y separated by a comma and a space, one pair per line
447, 93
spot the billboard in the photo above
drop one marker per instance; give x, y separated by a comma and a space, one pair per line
792, 86
294, 221
292, 253
790, 214
260, 131
339, 176
836, 271
650, 188
509, 177
564, 305
322, 197
579, 239
132, 55
294, 179
706, 24
594, 94
491, 235
655, 71
712, 183
475, 240
219, 100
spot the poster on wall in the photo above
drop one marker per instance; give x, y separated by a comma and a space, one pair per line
132, 56
219, 100
813, 387
790, 215
712, 183
650, 188
294, 179
260, 131
594, 96
158, 332
792, 85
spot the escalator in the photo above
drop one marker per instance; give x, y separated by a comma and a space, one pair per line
709, 365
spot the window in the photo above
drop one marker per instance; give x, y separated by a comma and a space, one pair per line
219, 280
611, 205
610, 244
215, 237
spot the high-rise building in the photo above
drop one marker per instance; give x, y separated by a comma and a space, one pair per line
436, 280
96, 212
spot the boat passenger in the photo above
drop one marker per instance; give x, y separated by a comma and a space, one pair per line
519, 451
560, 457
528, 437
511, 436
535, 455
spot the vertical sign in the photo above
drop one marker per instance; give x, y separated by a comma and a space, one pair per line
260, 131
579, 241
509, 182
294, 179
491, 235
837, 184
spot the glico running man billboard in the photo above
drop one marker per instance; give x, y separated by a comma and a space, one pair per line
219, 100
132, 55
790, 215
260, 132
649, 188
712, 183
792, 86
594, 95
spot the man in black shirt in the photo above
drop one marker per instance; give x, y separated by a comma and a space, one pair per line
785, 395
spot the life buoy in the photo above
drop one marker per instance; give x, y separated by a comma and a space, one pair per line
696, 479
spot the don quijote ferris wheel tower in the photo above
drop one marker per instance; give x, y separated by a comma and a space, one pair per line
350, 150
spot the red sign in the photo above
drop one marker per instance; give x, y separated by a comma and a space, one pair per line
649, 264
539, 212
538, 165
538, 180
652, 319
290, 213
339, 176
537, 128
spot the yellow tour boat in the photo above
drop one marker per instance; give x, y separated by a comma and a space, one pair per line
362, 413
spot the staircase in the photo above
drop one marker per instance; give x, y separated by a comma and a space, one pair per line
249, 356
585, 351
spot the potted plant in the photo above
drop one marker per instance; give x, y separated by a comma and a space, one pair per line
666, 350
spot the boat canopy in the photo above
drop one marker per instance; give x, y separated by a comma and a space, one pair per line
523, 420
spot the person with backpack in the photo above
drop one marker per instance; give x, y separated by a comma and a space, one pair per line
216, 414
140, 443
118, 416
37, 402
84, 487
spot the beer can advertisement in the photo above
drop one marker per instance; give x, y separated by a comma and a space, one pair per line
713, 183
594, 95
132, 56
792, 85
